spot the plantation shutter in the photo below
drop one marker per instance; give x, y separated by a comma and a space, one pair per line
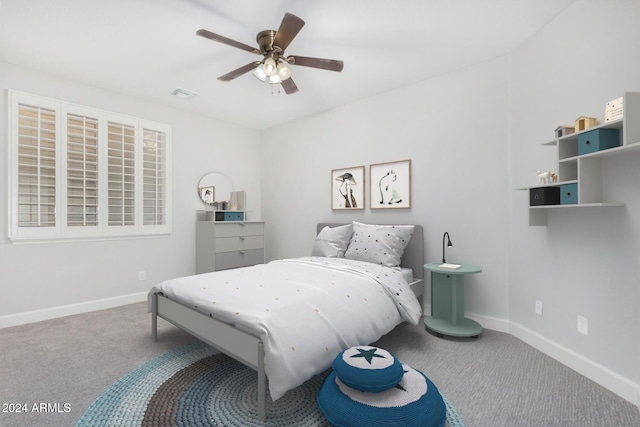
36, 159
154, 177
121, 174
79, 173
82, 171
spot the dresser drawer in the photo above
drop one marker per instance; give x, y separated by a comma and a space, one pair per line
239, 229
220, 245
235, 259
238, 243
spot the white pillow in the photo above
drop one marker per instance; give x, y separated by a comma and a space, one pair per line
379, 244
332, 242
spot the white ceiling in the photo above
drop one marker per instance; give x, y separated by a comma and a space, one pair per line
148, 48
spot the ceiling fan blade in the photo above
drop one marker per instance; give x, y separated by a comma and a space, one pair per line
289, 86
221, 39
238, 72
325, 64
289, 28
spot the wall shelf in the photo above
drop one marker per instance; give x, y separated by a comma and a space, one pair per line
586, 170
581, 205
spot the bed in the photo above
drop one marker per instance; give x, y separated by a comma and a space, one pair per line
336, 300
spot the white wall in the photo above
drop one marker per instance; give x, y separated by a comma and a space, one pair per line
586, 261
454, 130
46, 276
474, 136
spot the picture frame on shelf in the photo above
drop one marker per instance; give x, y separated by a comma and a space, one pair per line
347, 188
208, 194
390, 185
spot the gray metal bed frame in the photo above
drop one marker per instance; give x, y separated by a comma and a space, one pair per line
244, 347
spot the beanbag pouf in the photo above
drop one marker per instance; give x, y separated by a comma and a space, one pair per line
414, 402
367, 368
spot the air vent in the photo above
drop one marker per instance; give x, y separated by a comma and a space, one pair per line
183, 93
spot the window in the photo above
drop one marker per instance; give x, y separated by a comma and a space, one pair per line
82, 173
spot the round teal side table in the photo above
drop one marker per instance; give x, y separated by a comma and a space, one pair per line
447, 302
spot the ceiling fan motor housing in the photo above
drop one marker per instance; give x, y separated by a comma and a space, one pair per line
265, 41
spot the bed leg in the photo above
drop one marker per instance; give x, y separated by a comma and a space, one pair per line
154, 317
262, 385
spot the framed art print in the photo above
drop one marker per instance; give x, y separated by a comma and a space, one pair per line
347, 188
208, 194
390, 185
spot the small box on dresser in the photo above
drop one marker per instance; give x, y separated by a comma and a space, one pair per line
233, 216
569, 194
597, 140
544, 196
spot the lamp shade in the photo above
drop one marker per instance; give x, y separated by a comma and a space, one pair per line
260, 74
269, 66
283, 71
275, 79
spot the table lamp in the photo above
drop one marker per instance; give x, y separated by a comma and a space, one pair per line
449, 244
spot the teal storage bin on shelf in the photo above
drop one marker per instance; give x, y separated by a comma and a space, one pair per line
234, 216
569, 194
598, 140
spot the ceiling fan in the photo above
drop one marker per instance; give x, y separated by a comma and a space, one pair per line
273, 68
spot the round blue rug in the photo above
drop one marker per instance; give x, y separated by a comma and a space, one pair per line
195, 385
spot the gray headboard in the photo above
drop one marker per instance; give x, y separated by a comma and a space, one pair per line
413, 256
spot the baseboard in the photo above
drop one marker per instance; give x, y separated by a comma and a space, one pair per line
488, 322
602, 375
68, 310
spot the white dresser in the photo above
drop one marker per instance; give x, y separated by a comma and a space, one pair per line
223, 245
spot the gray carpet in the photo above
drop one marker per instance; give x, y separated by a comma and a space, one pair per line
496, 380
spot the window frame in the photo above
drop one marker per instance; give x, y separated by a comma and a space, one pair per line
62, 231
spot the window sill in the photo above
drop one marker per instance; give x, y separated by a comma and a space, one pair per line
28, 240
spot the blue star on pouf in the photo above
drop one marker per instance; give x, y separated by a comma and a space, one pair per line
367, 368
413, 400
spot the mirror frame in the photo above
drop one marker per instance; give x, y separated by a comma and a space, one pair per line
220, 185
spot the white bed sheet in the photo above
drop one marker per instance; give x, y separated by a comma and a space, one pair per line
407, 273
305, 310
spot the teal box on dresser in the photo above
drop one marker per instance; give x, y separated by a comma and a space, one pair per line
569, 194
598, 140
234, 216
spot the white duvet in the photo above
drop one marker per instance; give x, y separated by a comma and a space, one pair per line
305, 310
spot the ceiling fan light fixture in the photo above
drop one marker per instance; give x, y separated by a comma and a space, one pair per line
283, 71
269, 66
259, 73
263, 77
275, 79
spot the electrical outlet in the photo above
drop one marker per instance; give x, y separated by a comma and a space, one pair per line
142, 275
539, 307
583, 325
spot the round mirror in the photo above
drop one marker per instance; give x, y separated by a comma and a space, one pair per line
214, 187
